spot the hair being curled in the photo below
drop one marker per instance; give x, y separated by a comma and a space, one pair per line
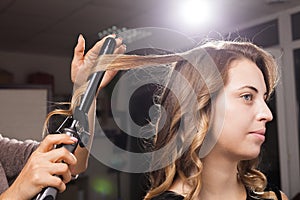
195, 78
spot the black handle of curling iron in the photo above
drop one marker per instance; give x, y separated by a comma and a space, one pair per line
108, 47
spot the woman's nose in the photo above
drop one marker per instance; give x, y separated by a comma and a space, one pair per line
264, 113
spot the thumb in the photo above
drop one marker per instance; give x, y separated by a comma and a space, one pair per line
78, 57
79, 50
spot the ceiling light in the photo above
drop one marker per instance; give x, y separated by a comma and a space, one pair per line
195, 12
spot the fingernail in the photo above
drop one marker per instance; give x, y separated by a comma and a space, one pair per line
112, 35
74, 139
80, 36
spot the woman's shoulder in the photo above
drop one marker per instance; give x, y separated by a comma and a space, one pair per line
279, 194
271, 189
168, 195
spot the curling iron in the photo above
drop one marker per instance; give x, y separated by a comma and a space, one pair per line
79, 124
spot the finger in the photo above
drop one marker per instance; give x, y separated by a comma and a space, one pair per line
62, 170
66, 177
80, 74
53, 139
120, 50
94, 51
78, 56
50, 180
119, 41
79, 50
119, 46
55, 181
108, 76
61, 155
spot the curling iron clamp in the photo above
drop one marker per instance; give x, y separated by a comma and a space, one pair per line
79, 121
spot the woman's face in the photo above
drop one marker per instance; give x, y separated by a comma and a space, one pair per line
241, 113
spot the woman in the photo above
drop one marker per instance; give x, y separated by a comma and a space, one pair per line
213, 121
28, 167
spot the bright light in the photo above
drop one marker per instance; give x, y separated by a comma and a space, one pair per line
196, 12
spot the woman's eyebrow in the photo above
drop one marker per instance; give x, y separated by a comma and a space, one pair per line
249, 87
252, 88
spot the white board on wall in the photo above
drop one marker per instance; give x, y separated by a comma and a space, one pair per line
23, 111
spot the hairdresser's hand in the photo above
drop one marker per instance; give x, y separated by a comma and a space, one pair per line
41, 167
82, 62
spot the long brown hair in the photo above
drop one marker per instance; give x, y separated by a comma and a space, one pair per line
188, 108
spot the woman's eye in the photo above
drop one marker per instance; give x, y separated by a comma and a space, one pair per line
247, 97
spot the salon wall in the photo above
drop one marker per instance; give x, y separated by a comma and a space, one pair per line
21, 65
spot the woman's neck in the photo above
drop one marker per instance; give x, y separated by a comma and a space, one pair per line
220, 179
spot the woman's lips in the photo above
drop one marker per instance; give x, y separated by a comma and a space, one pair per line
260, 134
